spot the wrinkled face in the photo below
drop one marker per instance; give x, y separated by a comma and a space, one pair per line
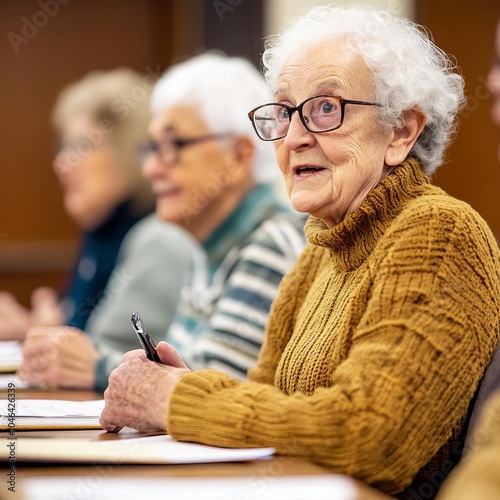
89, 172
191, 183
329, 174
494, 81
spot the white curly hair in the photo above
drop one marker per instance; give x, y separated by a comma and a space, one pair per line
409, 70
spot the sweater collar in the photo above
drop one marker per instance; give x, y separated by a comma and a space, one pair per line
352, 241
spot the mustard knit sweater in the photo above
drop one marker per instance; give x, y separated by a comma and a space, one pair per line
375, 345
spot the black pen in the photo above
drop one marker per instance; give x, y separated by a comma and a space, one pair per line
146, 341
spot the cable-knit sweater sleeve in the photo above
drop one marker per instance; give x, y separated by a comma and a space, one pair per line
397, 370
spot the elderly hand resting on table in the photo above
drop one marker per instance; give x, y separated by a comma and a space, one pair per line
139, 390
58, 357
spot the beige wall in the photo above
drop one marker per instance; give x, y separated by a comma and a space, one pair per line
276, 12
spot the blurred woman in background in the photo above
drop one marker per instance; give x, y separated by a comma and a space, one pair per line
103, 190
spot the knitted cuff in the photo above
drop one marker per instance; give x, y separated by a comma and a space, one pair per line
198, 410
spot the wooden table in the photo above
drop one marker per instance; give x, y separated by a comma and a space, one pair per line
259, 469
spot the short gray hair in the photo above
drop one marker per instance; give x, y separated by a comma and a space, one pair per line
223, 89
409, 70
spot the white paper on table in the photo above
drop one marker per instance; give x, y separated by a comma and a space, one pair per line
143, 450
317, 487
10, 355
54, 408
28, 414
14, 381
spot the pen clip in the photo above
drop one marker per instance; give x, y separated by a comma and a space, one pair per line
137, 323
147, 343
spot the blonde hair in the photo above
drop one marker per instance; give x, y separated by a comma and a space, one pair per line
117, 103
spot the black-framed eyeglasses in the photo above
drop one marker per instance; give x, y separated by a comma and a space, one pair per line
169, 148
321, 113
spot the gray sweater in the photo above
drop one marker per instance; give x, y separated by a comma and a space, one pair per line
154, 259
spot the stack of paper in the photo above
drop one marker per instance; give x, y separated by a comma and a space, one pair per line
143, 450
11, 380
10, 356
50, 414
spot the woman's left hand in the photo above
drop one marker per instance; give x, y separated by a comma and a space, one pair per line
139, 390
58, 357
14, 318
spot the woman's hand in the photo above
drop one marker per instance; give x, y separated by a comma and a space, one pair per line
58, 357
14, 318
139, 390
45, 308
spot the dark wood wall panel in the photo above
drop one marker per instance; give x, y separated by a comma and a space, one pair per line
472, 171
236, 26
72, 38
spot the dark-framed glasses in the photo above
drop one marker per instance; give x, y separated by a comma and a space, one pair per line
321, 113
168, 149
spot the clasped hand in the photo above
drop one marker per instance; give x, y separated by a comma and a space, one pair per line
139, 390
15, 319
58, 357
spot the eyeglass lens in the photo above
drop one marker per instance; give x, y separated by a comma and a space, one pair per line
318, 114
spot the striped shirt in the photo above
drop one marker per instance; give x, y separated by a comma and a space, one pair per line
224, 307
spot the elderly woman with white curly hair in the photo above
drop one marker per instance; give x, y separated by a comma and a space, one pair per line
382, 330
